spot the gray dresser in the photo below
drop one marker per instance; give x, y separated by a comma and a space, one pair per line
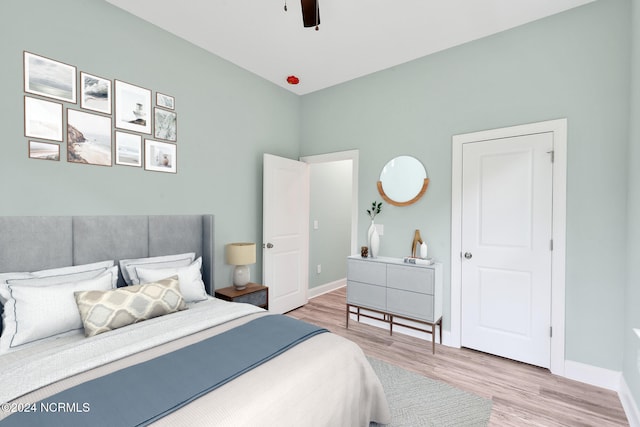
392, 291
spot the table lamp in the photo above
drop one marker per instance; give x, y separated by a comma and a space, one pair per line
241, 255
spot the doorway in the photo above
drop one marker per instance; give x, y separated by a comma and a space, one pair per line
333, 231
487, 286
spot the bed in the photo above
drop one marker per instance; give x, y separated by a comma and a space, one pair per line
203, 362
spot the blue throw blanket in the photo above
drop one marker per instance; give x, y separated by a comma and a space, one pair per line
143, 393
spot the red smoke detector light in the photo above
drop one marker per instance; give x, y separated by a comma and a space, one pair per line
293, 80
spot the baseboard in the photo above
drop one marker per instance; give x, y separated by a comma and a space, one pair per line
629, 404
326, 288
593, 375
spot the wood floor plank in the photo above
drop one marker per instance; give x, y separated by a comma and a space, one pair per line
522, 395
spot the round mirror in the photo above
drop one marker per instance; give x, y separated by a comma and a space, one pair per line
403, 181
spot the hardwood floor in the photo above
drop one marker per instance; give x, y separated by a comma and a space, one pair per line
522, 395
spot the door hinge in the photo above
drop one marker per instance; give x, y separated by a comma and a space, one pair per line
551, 331
551, 244
552, 152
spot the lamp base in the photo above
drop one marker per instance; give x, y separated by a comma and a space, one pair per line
241, 275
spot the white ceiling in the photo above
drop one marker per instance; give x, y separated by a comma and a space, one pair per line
356, 37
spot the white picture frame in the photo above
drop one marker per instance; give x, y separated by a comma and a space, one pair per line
95, 93
88, 138
165, 125
44, 150
165, 101
46, 77
42, 119
128, 149
133, 107
160, 156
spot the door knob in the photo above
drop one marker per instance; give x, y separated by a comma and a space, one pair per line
269, 245
468, 255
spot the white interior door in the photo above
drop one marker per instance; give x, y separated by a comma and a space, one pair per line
506, 247
285, 233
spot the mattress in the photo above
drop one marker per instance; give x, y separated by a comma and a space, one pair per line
323, 381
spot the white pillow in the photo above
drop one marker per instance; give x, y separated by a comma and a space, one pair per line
54, 276
128, 266
37, 312
190, 278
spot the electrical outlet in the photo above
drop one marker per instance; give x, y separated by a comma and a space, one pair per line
319, 268
380, 229
316, 225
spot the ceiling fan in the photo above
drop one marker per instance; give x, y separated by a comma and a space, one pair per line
310, 13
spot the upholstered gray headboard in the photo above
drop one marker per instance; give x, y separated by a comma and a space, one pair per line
43, 242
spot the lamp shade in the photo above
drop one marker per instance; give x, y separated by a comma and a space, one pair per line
241, 253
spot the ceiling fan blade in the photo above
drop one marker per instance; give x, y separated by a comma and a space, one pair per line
310, 13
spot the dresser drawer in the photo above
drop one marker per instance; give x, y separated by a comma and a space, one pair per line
367, 272
410, 304
415, 279
366, 295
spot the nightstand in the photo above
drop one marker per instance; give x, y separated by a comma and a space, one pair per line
253, 294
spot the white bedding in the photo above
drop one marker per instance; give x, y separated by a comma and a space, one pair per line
325, 381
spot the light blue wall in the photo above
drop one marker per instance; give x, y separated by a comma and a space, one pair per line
227, 118
632, 342
330, 205
574, 65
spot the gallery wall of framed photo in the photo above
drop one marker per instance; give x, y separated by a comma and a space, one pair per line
96, 120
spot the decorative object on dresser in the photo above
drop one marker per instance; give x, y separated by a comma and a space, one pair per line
414, 245
364, 251
403, 181
241, 255
253, 293
373, 238
388, 290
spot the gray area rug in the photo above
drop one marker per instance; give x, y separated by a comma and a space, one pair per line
417, 401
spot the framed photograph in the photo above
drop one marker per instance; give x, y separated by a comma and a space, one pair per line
159, 156
46, 77
133, 107
88, 138
165, 101
44, 150
128, 149
42, 119
95, 93
165, 124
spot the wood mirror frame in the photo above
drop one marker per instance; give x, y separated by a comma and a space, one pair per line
386, 198
414, 164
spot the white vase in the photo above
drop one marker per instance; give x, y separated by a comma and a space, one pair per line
423, 250
374, 245
369, 232
373, 239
